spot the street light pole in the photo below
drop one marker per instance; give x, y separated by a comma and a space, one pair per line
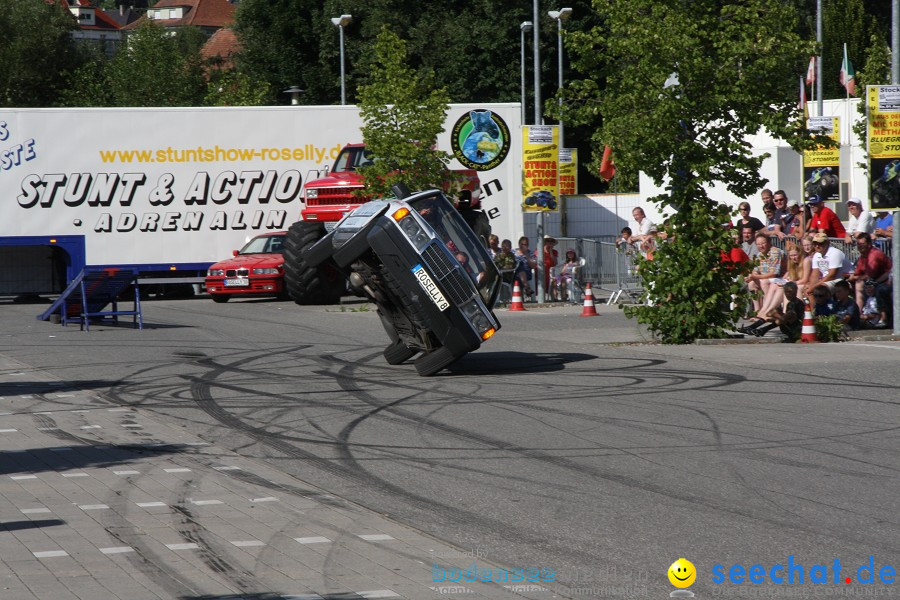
341, 22
537, 63
524, 27
559, 16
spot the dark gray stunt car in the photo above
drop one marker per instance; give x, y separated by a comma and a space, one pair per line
432, 279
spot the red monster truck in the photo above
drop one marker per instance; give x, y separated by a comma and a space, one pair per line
327, 200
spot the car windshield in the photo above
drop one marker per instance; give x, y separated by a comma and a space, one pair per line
462, 243
351, 158
270, 244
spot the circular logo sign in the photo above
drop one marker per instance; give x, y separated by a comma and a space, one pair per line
480, 140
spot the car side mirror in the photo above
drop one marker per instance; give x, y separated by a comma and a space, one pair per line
465, 199
326, 169
234, 252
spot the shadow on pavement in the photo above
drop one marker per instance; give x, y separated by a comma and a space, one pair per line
80, 456
8, 388
20, 525
270, 596
512, 363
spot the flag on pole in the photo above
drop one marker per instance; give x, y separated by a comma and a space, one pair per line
811, 71
607, 166
848, 77
802, 104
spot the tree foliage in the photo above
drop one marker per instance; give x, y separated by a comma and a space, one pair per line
36, 52
686, 83
152, 68
403, 112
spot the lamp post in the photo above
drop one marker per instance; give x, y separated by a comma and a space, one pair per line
341, 22
559, 16
295, 92
523, 28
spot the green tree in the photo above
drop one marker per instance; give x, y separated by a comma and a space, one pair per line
686, 83
153, 68
233, 88
36, 52
403, 113
843, 22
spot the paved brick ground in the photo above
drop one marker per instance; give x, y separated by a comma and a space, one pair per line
102, 502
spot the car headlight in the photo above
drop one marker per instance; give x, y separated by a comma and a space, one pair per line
215, 273
312, 193
267, 271
414, 231
477, 317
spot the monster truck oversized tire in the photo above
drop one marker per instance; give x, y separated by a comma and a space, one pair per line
323, 284
398, 353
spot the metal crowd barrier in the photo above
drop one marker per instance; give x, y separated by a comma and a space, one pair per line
612, 270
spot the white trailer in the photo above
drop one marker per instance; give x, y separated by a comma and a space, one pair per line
168, 191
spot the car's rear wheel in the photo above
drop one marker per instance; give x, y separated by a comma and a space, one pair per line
398, 353
322, 284
220, 298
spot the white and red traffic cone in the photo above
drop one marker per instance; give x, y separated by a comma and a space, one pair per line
808, 333
516, 302
589, 309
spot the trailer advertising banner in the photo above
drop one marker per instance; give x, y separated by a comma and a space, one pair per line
189, 185
883, 142
540, 168
822, 166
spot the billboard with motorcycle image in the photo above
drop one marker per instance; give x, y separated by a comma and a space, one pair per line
883, 142
821, 166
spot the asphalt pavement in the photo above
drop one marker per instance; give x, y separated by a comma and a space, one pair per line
262, 450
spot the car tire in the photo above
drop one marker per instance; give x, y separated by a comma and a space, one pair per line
306, 285
398, 353
220, 298
435, 361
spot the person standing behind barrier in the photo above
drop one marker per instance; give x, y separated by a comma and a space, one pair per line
526, 263
782, 213
773, 222
642, 231
793, 220
649, 244
745, 221
861, 221
493, 245
625, 242
551, 258
823, 219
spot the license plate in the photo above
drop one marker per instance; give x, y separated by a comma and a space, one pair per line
237, 282
430, 288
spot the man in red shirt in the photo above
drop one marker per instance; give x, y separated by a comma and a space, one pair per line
872, 264
823, 219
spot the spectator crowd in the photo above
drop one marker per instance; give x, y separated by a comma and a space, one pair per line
796, 260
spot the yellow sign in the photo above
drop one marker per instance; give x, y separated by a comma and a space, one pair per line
883, 139
540, 168
568, 171
822, 166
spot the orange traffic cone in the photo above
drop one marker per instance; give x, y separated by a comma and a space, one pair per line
589, 309
516, 302
808, 333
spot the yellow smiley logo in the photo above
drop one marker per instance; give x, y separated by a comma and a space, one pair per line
682, 573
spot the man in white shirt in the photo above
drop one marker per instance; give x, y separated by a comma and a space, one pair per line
642, 230
861, 221
831, 264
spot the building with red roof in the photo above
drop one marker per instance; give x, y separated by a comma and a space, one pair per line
208, 15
